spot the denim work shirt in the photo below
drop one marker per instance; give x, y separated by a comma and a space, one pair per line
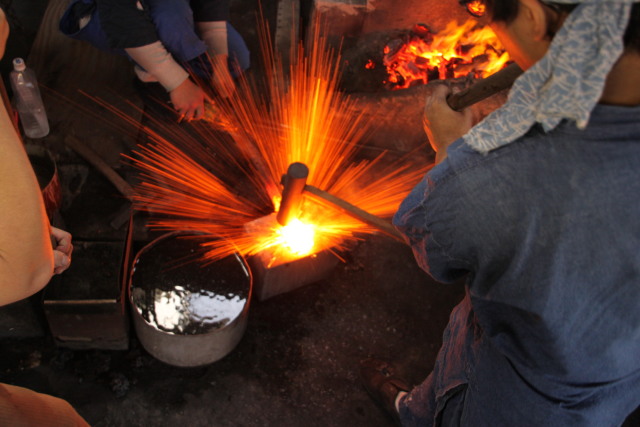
548, 230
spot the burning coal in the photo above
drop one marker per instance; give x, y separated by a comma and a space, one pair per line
421, 55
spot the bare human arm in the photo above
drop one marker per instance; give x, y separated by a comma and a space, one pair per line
129, 26
26, 255
27, 259
187, 97
4, 32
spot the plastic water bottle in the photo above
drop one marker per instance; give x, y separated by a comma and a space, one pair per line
28, 101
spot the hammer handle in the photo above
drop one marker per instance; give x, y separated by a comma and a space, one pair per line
322, 196
485, 88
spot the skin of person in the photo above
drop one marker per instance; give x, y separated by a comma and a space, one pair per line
27, 258
27, 262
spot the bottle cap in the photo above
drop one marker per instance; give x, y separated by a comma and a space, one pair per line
18, 64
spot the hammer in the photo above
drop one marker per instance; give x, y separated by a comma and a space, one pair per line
295, 185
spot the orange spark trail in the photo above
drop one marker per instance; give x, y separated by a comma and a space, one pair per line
297, 115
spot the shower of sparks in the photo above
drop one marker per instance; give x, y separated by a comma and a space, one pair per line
191, 178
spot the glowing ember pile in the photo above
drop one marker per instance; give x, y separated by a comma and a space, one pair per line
457, 51
297, 116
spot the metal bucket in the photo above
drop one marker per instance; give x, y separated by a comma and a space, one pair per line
187, 312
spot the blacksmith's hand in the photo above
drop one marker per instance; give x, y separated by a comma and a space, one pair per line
442, 124
62, 249
188, 100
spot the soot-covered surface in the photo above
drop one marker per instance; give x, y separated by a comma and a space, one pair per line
295, 365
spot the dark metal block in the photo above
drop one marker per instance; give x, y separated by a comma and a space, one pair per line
85, 306
274, 275
274, 278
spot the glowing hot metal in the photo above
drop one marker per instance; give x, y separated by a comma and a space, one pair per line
294, 187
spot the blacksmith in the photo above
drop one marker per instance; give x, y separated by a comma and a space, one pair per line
538, 206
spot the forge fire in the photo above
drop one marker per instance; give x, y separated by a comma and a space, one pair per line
421, 55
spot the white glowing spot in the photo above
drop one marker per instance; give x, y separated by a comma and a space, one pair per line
298, 237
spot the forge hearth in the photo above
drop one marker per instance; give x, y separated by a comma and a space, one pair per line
398, 113
360, 30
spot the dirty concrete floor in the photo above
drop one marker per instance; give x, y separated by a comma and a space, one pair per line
296, 364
